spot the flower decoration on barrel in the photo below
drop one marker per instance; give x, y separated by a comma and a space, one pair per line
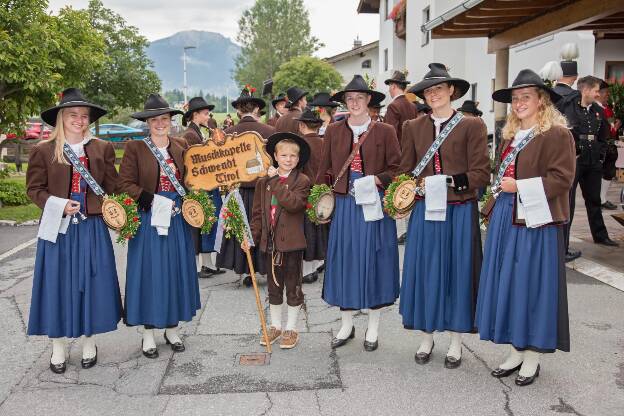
132, 221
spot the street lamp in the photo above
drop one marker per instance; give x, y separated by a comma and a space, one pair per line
184, 63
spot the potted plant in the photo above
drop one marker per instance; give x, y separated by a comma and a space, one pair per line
398, 15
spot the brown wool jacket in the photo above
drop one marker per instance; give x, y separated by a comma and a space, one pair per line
246, 124
139, 173
399, 111
273, 120
380, 153
45, 177
193, 135
551, 156
292, 198
463, 155
287, 122
316, 152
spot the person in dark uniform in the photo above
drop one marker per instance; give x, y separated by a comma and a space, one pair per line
279, 104
231, 256
297, 101
590, 130
569, 68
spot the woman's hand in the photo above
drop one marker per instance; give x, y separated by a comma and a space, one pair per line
377, 181
245, 245
272, 171
509, 185
72, 207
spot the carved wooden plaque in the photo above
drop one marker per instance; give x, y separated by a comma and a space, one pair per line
241, 158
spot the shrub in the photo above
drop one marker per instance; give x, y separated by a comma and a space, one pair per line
13, 193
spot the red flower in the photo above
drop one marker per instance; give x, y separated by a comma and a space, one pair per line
128, 201
253, 89
309, 206
135, 219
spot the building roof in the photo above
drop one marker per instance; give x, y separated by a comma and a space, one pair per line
507, 22
368, 6
353, 52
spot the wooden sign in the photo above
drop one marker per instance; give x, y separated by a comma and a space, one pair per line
241, 158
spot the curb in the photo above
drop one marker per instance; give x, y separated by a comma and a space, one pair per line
9, 223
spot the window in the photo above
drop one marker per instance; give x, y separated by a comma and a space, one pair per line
425, 19
614, 70
366, 64
385, 59
388, 6
492, 100
473, 92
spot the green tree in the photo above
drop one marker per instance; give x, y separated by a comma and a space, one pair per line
271, 32
311, 74
40, 55
126, 78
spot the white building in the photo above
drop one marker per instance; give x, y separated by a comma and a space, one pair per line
362, 59
467, 57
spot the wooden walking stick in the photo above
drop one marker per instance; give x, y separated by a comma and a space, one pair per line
252, 272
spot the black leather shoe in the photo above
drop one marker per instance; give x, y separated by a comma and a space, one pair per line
175, 346
321, 268
500, 372
247, 281
338, 342
424, 357
58, 368
207, 272
370, 346
609, 205
401, 239
525, 381
452, 362
607, 242
572, 255
310, 278
89, 362
150, 353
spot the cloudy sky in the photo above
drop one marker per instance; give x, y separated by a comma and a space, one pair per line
335, 22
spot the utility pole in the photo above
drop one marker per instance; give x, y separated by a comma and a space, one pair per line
184, 63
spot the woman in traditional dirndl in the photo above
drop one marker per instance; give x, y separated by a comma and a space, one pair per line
362, 264
196, 116
443, 244
522, 296
161, 278
75, 288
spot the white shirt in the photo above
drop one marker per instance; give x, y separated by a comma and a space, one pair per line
163, 151
437, 122
519, 136
78, 148
359, 130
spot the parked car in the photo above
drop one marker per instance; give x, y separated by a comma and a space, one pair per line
33, 131
176, 128
111, 130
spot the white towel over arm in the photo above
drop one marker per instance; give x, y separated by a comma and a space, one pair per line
52, 219
534, 202
367, 195
161, 214
435, 198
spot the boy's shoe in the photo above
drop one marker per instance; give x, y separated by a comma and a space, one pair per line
289, 340
273, 335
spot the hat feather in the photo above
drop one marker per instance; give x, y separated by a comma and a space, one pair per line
569, 52
551, 71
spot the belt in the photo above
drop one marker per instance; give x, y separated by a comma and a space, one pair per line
590, 137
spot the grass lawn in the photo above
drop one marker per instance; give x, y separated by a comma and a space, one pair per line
20, 213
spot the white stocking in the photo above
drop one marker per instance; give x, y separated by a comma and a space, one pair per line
198, 262
172, 335
309, 267
604, 188
148, 339
293, 314
530, 363
347, 324
207, 260
58, 351
88, 347
513, 360
427, 343
372, 332
276, 316
455, 349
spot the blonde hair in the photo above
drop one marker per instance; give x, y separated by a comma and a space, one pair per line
547, 117
58, 136
285, 143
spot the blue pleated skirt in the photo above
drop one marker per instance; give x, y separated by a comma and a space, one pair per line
208, 240
161, 278
362, 265
75, 287
440, 270
522, 297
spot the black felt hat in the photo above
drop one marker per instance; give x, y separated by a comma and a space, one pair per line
294, 94
470, 106
422, 107
246, 96
377, 102
72, 97
398, 77
154, 106
358, 84
281, 97
438, 74
304, 147
309, 116
526, 78
323, 99
197, 104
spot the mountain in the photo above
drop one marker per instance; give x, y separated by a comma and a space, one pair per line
209, 66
